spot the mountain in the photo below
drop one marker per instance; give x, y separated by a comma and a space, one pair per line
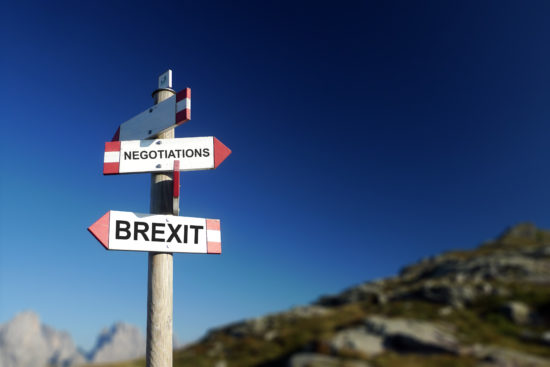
117, 343
25, 342
485, 307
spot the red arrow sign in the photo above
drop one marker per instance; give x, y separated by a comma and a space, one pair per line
157, 233
137, 156
167, 114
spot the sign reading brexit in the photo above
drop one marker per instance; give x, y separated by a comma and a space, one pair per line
165, 115
157, 233
135, 156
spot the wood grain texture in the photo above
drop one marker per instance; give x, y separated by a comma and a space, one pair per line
160, 270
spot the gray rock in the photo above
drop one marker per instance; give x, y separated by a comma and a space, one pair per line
545, 338
357, 340
518, 312
321, 360
412, 335
118, 343
501, 357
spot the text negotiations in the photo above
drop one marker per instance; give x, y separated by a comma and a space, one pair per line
137, 156
157, 233
165, 115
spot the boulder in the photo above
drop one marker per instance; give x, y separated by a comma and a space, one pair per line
405, 335
502, 357
518, 312
357, 340
321, 360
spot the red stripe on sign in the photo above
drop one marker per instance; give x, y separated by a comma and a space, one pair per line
176, 179
112, 146
182, 94
213, 224
111, 168
183, 116
117, 135
214, 248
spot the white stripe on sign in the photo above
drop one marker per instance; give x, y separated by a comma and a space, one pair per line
183, 104
213, 236
111, 157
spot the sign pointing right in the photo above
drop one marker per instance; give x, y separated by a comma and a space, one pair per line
136, 156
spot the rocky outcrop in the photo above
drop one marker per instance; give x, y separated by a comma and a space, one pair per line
493, 356
357, 341
412, 335
118, 343
26, 342
321, 360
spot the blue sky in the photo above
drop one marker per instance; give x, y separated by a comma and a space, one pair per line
365, 135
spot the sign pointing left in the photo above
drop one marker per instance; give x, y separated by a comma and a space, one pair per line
157, 233
165, 115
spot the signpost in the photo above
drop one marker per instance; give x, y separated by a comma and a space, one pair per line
146, 143
159, 155
157, 233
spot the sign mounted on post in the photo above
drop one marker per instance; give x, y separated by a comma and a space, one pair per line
135, 156
157, 233
165, 115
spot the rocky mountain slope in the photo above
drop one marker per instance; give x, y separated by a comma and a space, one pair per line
484, 307
26, 342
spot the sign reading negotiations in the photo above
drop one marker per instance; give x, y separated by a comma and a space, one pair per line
135, 156
157, 233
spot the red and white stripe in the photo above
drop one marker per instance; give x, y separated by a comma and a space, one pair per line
111, 159
213, 236
183, 106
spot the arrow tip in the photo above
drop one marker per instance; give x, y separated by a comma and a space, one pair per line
100, 230
220, 152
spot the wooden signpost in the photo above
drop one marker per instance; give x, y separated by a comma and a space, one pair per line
159, 155
146, 143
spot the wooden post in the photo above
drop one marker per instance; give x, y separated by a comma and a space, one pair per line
160, 273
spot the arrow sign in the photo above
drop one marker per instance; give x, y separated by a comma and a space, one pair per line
157, 233
135, 156
167, 114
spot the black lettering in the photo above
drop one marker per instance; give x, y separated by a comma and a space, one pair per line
189, 153
151, 153
127, 155
198, 153
206, 152
161, 153
119, 229
174, 233
185, 233
171, 154
143, 154
157, 231
179, 153
143, 230
196, 228
135, 155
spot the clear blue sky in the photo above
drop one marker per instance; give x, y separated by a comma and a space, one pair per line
365, 135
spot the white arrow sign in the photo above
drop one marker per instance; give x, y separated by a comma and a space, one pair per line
163, 116
135, 156
157, 233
